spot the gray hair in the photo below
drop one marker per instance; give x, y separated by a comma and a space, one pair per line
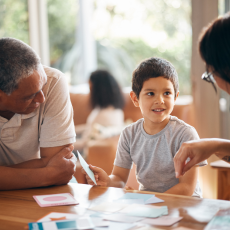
17, 61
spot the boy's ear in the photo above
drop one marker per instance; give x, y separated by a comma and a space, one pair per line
176, 96
134, 98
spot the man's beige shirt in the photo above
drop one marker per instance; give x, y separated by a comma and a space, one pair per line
50, 125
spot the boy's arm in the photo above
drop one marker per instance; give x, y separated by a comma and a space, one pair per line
118, 178
187, 183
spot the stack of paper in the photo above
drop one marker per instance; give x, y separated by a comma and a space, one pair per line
162, 221
108, 207
148, 211
138, 198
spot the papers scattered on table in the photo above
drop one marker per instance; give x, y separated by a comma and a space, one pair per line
140, 198
55, 199
85, 166
54, 216
132, 213
145, 227
108, 207
154, 200
149, 211
162, 221
80, 223
220, 221
122, 218
99, 222
130, 201
117, 226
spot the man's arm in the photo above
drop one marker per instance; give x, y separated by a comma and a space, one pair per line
187, 183
46, 155
59, 170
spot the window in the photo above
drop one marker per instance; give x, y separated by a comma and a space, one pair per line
125, 33
14, 19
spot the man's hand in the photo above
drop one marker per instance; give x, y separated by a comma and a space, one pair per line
101, 176
58, 171
197, 151
60, 168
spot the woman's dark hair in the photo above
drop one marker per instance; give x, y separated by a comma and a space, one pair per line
105, 90
214, 46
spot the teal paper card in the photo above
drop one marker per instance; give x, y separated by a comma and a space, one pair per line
86, 168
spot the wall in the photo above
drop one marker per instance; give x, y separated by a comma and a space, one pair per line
206, 102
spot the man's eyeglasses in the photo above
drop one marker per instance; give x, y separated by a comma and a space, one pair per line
209, 78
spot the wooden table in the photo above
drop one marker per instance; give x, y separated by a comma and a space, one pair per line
223, 183
18, 207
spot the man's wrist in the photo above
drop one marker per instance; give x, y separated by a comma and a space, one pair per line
49, 178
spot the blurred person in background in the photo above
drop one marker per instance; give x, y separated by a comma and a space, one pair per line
107, 117
214, 47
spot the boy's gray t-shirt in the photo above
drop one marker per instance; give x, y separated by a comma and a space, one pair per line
153, 154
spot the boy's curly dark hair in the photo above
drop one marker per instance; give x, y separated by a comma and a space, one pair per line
152, 68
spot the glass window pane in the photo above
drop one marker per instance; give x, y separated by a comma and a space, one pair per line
129, 31
14, 19
62, 20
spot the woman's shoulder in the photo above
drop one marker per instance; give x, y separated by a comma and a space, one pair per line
111, 110
109, 116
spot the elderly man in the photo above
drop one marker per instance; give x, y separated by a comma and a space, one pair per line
36, 125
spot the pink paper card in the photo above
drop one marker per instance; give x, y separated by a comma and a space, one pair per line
55, 199
162, 221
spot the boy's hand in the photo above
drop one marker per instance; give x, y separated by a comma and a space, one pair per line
129, 188
101, 176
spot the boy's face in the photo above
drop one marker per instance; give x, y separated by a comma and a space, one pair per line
156, 101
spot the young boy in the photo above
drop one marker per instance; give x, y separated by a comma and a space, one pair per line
152, 142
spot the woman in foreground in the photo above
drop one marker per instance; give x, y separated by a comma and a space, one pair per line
214, 47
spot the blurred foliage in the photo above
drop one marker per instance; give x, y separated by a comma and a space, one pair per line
14, 19
178, 56
126, 33
62, 19
164, 31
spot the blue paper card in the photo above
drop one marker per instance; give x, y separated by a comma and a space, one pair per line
147, 198
137, 196
147, 211
86, 168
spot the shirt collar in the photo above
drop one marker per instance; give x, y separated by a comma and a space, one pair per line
27, 116
16, 120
